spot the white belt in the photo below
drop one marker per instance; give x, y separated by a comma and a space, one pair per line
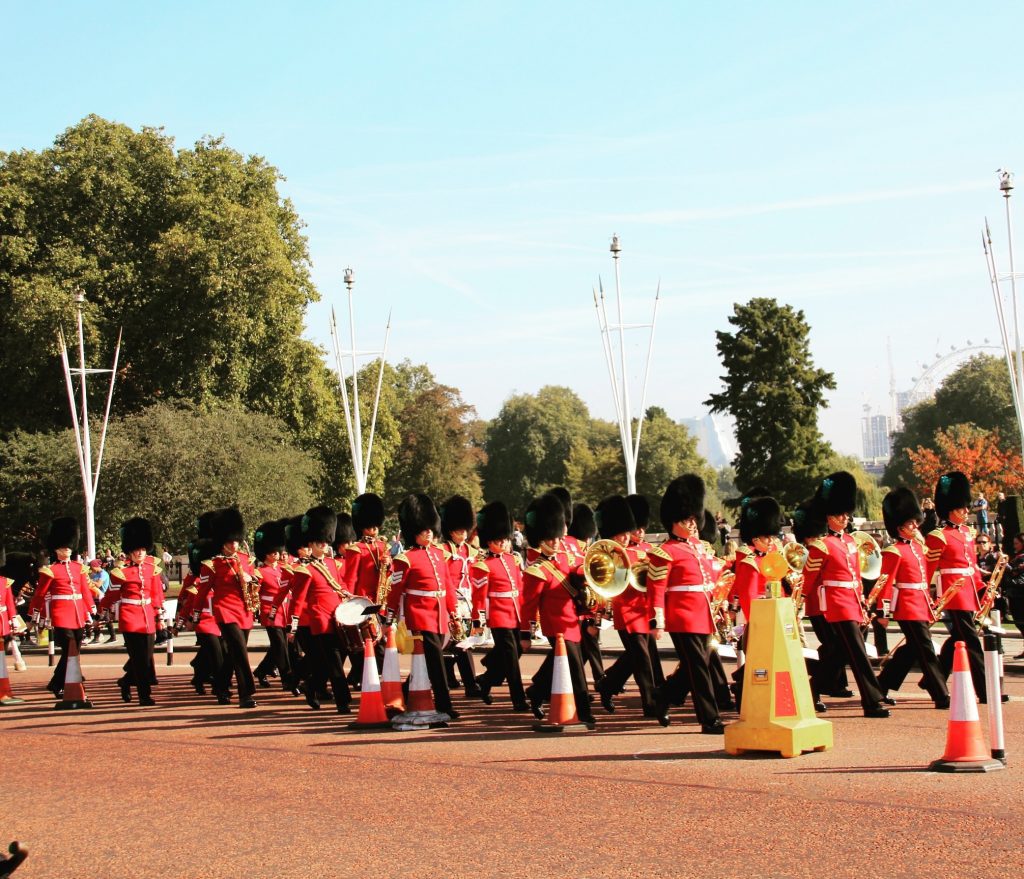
513, 594
964, 571
440, 593
910, 586
65, 597
840, 584
137, 602
699, 587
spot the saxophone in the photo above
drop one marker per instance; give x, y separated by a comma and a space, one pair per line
383, 577
250, 587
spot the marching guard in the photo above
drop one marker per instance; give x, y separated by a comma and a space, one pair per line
268, 547
498, 602
140, 601
63, 599
367, 567
582, 530
833, 568
680, 583
906, 579
231, 580
457, 521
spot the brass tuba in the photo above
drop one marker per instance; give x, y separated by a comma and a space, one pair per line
608, 572
870, 555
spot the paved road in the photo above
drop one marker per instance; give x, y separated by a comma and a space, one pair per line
193, 789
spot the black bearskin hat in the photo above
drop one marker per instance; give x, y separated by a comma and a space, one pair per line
899, 506
417, 513
493, 522
20, 569
709, 528
953, 490
837, 494
683, 499
760, 517
545, 519
294, 539
344, 533
809, 521
204, 525
754, 491
614, 516
198, 551
563, 495
269, 537
319, 525
367, 512
641, 508
456, 515
63, 534
136, 534
228, 525
583, 526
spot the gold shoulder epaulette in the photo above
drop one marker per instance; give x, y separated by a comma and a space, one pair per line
480, 566
158, 569
894, 549
208, 563
752, 561
46, 570
402, 557
537, 570
937, 533
117, 573
658, 552
818, 543
519, 558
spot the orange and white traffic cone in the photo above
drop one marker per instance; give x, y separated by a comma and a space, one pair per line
562, 716
6, 693
966, 748
391, 680
372, 714
420, 712
74, 689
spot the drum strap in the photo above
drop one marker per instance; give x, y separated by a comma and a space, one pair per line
323, 569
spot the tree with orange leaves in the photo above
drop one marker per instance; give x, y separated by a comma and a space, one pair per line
981, 455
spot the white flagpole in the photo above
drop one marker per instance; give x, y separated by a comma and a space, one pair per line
106, 413
647, 373
344, 399
360, 479
376, 400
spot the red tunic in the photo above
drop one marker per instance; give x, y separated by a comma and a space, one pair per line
679, 582
951, 552
906, 585
7, 612
545, 589
323, 593
220, 576
460, 560
422, 592
270, 584
750, 582
140, 596
63, 593
294, 584
362, 566
207, 625
632, 610
833, 569
498, 592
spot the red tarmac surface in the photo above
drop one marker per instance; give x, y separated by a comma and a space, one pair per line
193, 789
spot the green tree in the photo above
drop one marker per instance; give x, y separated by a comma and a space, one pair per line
976, 393
529, 443
773, 391
168, 462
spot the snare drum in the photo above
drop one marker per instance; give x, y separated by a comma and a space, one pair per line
354, 624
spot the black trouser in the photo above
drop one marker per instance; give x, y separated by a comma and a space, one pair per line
331, 659
61, 638
961, 628
356, 657
917, 646
878, 629
590, 647
463, 661
851, 637
1016, 603
694, 652
277, 657
308, 669
235, 640
432, 642
209, 663
503, 664
140, 654
635, 661
542, 680
677, 684
659, 672
830, 671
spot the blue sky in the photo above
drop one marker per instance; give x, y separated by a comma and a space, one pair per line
472, 160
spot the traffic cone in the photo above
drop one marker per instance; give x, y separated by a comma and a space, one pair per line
74, 690
966, 748
420, 712
6, 694
372, 714
391, 681
562, 716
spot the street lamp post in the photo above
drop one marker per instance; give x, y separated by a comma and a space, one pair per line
353, 420
83, 432
620, 378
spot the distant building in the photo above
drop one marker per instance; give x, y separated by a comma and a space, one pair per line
715, 440
876, 431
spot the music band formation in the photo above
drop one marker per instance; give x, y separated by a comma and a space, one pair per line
324, 583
